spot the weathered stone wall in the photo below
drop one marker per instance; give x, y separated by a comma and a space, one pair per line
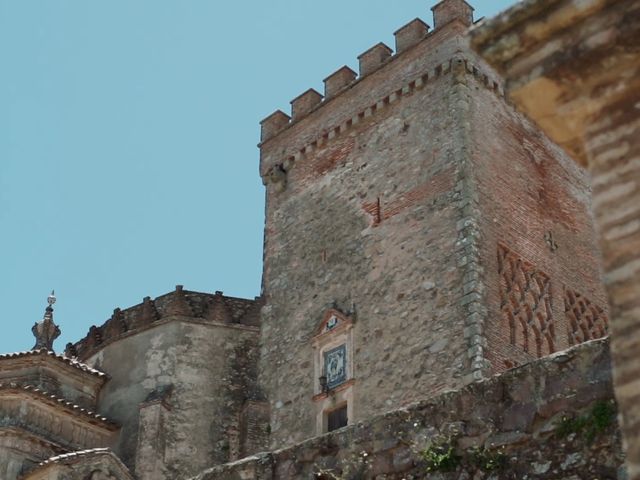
188, 379
20, 451
551, 419
366, 224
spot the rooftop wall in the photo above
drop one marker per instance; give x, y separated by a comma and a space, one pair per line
195, 306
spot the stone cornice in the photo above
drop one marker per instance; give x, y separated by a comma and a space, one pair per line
174, 318
180, 305
18, 431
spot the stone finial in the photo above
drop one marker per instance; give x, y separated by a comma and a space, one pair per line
449, 10
338, 80
273, 124
410, 34
374, 58
46, 331
304, 103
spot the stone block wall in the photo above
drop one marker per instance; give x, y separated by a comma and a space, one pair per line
551, 419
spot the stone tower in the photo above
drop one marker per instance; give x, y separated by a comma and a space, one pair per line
420, 235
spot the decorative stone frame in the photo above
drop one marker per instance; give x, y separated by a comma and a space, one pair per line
327, 338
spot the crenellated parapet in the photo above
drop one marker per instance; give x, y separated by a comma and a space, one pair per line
338, 81
180, 304
384, 78
374, 58
411, 34
369, 62
276, 173
273, 124
303, 104
449, 10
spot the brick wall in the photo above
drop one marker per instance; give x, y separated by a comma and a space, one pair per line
539, 246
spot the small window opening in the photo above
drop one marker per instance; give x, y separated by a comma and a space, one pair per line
337, 419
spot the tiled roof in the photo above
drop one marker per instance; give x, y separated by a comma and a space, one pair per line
72, 457
62, 358
55, 400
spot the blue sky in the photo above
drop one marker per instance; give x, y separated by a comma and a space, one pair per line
128, 131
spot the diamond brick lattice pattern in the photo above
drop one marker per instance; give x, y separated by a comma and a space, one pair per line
586, 321
525, 303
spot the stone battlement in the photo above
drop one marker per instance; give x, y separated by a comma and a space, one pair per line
203, 307
369, 62
275, 173
421, 61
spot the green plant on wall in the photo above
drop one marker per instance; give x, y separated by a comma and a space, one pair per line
488, 460
353, 469
592, 424
440, 457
